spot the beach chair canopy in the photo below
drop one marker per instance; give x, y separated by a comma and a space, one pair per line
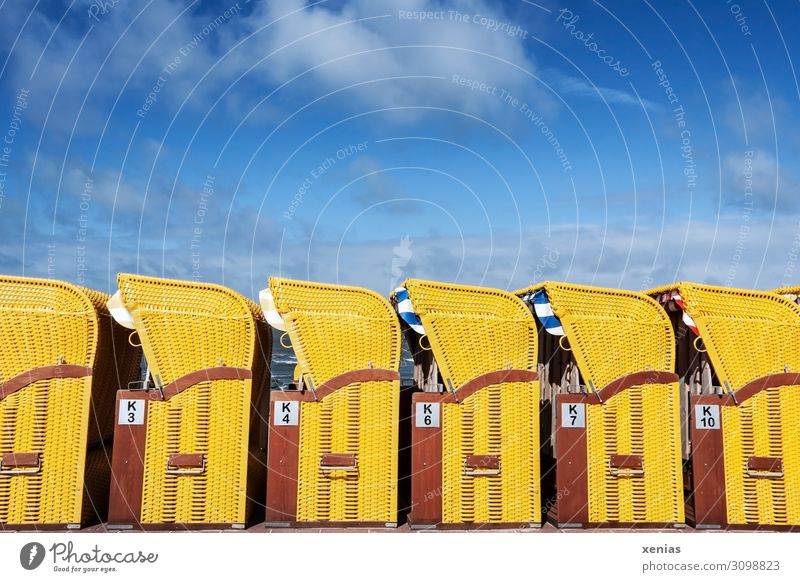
61, 362
792, 292
333, 329
44, 322
185, 326
611, 332
748, 334
471, 330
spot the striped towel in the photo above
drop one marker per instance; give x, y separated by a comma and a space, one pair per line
544, 311
405, 309
270, 311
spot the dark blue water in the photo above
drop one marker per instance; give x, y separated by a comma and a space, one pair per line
283, 363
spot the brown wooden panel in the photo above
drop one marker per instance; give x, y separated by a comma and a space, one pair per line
354, 376
494, 378
636, 379
426, 464
127, 464
194, 460
20, 460
42, 373
771, 464
338, 460
282, 461
572, 483
206, 375
482, 462
708, 467
626, 382
625, 461
772, 381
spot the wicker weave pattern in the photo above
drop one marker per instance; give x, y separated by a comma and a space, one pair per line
764, 426
353, 420
613, 333
43, 322
192, 421
33, 421
639, 421
748, 334
97, 480
790, 290
751, 334
599, 322
472, 428
185, 327
473, 331
336, 329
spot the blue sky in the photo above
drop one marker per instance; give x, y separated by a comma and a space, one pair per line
496, 143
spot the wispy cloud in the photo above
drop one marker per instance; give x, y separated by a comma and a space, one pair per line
369, 54
241, 248
585, 89
612, 255
376, 186
753, 178
383, 55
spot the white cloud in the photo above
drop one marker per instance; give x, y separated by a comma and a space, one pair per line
350, 44
753, 255
73, 181
754, 177
588, 90
373, 186
756, 254
361, 42
754, 115
90, 61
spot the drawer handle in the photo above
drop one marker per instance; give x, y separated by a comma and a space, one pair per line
765, 467
20, 464
625, 465
338, 462
186, 464
481, 465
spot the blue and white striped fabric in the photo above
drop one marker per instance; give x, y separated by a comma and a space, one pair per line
405, 309
543, 310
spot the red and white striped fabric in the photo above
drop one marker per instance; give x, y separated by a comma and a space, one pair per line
687, 319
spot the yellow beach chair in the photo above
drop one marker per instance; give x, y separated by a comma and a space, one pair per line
189, 448
474, 446
606, 362
333, 446
792, 293
62, 360
741, 367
